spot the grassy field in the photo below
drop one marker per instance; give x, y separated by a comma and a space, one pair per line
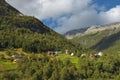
4, 66
65, 57
5, 62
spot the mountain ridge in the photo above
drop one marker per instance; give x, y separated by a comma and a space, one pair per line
91, 30
103, 38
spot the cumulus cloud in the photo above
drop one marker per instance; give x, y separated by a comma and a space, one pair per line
90, 17
45, 9
113, 15
68, 14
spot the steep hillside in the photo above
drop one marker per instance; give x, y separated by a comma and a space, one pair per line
109, 44
28, 33
102, 38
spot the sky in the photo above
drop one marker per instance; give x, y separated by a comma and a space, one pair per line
65, 15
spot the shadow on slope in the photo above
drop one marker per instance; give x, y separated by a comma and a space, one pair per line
105, 43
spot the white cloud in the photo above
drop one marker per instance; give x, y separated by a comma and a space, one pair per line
69, 14
113, 15
89, 17
54, 8
83, 19
44, 9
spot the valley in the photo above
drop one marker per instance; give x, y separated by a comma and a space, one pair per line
30, 50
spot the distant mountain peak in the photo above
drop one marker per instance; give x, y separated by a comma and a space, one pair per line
91, 30
101, 38
75, 32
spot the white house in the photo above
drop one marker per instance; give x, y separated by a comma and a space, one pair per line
72, 54
66, 51
100, 54
83, 55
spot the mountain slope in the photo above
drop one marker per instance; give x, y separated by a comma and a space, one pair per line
104, 38
109, 44
6, 9
28, 33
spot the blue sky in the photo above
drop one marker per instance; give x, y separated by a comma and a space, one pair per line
65, 15
107, 3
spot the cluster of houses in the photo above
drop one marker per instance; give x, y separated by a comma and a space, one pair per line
54, 53
18, 58
91, 56
66, 51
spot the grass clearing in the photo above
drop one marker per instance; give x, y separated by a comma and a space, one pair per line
7, 66
5, 63
65, 57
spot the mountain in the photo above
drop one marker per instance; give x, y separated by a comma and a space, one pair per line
20, 31
89, 30
72, 33
101, 38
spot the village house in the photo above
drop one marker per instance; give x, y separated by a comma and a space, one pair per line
100, 54
72, 54
91, 56
66, 51
51, 53
83, 55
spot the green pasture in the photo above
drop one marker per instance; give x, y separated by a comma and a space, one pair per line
65, 57
4, 66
